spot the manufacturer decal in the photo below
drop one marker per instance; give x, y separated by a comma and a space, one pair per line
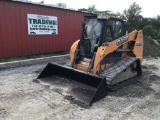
138, 44
122, 40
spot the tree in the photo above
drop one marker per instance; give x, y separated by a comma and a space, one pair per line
132, 15
42, 2
149, 30
158, 37
83, 10
61, 5
106, 12
92, 9
156, 23
144, 22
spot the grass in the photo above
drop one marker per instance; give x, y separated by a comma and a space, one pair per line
32, 56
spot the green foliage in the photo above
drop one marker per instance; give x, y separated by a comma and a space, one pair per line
158, 36
42, 2
92, 9
151, 27
156, 23
144, 22
83, 10
149, 30
61, 5
132, 15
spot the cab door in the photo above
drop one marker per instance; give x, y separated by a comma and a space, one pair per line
115, 28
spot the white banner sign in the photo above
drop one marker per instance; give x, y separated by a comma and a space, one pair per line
42, 25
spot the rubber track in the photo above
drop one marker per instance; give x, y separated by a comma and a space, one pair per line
117, 68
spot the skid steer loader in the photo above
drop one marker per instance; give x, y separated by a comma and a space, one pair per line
104, 59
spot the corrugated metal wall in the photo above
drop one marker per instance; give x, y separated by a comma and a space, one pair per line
14, 38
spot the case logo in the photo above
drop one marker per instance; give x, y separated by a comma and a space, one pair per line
122, 40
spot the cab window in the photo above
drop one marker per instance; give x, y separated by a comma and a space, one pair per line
114, 30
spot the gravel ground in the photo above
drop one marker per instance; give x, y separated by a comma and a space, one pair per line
23, 99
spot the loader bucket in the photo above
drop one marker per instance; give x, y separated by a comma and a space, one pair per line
82, 86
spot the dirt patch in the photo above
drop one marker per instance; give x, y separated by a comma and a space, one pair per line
77, 102
3, 112
151, 49
140, 91
149, 67
17, 94
23, 99
157, 95
142, 86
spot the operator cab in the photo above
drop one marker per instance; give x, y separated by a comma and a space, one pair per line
98, 30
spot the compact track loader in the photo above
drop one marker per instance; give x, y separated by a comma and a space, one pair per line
104, 59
